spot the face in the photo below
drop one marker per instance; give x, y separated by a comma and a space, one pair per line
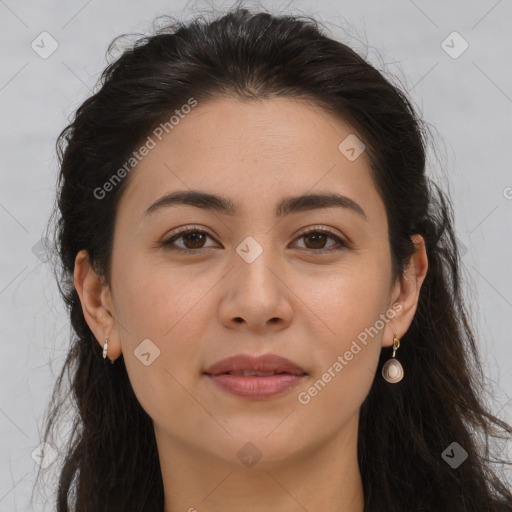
305, 284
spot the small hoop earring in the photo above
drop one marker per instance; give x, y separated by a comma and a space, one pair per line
105, 348
393, 371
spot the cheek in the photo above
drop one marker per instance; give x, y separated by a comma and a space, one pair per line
350, 305
155, 300
349, 297
164, 308
171, 309
347, 357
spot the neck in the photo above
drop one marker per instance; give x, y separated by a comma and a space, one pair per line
325, 477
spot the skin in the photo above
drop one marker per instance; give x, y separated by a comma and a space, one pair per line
307, 307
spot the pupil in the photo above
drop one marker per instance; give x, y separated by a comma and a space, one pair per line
319, 238
196, 241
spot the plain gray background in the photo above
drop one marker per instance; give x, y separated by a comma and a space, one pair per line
467, 98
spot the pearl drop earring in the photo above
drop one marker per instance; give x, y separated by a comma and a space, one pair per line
393, 371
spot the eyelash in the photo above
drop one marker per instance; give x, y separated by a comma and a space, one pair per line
186, 231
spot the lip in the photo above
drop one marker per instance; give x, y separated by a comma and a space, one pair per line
256, 388
263, 363
287, 376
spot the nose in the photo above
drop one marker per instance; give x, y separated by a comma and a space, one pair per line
256, 296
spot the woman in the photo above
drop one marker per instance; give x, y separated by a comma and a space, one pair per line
264, 286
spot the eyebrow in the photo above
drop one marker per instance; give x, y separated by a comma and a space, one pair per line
225, 205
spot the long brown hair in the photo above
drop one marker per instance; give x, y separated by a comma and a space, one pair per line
111, 461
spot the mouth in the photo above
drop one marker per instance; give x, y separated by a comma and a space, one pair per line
256, 378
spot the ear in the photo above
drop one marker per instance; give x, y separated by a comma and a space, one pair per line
97, 306
406, 293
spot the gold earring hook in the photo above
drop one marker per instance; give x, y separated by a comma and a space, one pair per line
396, 344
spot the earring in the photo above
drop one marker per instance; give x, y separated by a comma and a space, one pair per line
392, 371
105, 348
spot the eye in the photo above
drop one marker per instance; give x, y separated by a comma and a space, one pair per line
194, 239
318, 236
191, 235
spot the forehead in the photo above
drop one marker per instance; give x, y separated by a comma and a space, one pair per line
251, 150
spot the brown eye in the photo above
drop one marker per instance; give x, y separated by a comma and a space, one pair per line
192, 239
195, 238
317, 238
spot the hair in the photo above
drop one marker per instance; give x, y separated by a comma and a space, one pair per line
111, 460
